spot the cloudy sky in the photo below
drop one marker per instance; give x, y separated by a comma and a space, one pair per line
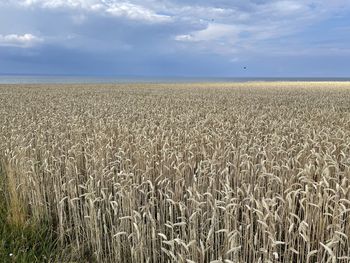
207, 38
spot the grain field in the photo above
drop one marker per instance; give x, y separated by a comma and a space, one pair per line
201, 172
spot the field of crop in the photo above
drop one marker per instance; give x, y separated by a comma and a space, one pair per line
245, 172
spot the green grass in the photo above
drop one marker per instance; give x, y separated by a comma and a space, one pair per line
30, 242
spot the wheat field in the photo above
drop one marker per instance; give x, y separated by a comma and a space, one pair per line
201, 172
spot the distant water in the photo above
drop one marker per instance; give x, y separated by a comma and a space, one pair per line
62, 79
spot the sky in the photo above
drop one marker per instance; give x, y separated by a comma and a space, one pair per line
170, 38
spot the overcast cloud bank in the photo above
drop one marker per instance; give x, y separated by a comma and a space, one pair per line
171, 37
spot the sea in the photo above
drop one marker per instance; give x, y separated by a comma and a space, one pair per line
84, 79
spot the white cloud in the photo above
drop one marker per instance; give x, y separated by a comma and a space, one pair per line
136, 12
287, 7
217, 38
59, 3
208, 13
128, 10
23, 41
185, 38
212, 32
